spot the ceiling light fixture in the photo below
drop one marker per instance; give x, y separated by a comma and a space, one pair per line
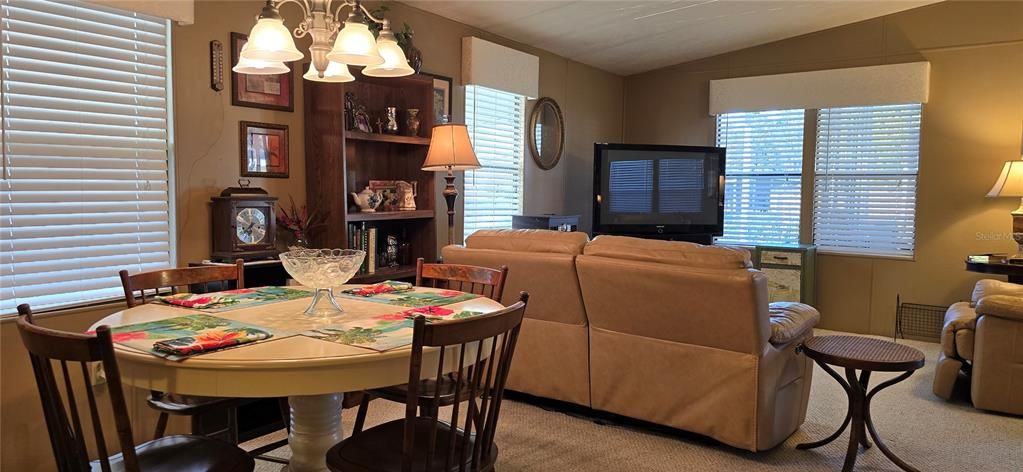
335, 46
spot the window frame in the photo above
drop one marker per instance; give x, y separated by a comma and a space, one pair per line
811, 157
171, 181
799, 176
519, 146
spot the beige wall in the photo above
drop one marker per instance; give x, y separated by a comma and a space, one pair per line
971, 124
207, 160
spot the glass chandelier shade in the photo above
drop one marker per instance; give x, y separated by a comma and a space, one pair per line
335, 73
355, 45
395, 64
254, 67
271, 41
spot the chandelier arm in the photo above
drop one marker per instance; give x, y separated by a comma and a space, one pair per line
365, 11
303, 4
337, 11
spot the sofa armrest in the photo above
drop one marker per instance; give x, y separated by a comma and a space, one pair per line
790, 321
1001, 306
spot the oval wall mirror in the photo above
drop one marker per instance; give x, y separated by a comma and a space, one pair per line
546, 133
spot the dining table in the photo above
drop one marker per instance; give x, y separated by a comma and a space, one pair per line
312, 373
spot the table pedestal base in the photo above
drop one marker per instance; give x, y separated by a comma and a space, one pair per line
315, 428
859, 416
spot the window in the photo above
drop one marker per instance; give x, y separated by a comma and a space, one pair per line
493, 193
763, 169
85, 185
865, 183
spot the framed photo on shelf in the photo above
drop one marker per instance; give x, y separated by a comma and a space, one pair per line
264, 150
271, 92
441, 98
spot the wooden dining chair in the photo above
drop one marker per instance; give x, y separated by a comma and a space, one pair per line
52, 351
487, 344
195, 280
464, 278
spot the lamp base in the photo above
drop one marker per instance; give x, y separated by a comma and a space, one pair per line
450, 194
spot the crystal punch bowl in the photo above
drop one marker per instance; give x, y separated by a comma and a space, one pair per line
322, 269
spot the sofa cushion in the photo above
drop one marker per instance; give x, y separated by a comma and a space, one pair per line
669, 252
791, 320
988, 287
958, 332
528, 240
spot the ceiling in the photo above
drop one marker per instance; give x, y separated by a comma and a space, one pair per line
628, 37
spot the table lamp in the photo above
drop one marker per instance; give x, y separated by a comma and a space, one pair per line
1010, 184
450, 151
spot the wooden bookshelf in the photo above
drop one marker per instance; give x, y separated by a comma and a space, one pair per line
340, 162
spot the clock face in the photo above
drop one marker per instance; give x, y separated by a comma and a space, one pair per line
250, 225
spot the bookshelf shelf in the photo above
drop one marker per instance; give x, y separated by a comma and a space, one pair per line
387, 138
386, 273
391, 215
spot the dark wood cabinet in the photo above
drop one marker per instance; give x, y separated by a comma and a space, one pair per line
340, 161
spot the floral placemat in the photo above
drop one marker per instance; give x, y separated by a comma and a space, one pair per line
414, 298
216, 302
384, 332
186, 336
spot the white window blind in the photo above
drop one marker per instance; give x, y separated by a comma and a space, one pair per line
85, 185
866, 166
763, 168
493, 193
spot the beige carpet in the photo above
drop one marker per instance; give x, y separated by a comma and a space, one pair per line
925, 431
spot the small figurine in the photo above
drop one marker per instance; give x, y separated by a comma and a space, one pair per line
392, 120
406, 195
412, 122
349, 110
391, 257
380, 126
362, 120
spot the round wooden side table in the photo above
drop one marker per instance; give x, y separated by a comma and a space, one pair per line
867, 355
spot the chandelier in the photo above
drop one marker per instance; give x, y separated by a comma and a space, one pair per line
336, 44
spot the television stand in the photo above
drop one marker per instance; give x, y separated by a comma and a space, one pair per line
705, 239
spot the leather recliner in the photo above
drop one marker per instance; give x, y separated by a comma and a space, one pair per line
982, 344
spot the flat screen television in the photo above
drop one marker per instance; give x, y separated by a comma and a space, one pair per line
672, 192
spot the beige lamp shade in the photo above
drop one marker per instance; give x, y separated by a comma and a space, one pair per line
1010, 181
450, 149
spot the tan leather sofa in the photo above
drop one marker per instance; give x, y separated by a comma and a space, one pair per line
675, 333
553, 341
982, 344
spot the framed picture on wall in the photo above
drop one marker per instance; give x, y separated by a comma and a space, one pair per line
441, 98
271, 92
264, 150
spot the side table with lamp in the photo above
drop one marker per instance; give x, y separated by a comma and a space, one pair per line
1009, 184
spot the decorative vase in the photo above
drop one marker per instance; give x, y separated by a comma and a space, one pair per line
367, 200
301, 241
414, 56
392, 121
412, 122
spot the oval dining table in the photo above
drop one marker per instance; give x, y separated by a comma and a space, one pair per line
311, 372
